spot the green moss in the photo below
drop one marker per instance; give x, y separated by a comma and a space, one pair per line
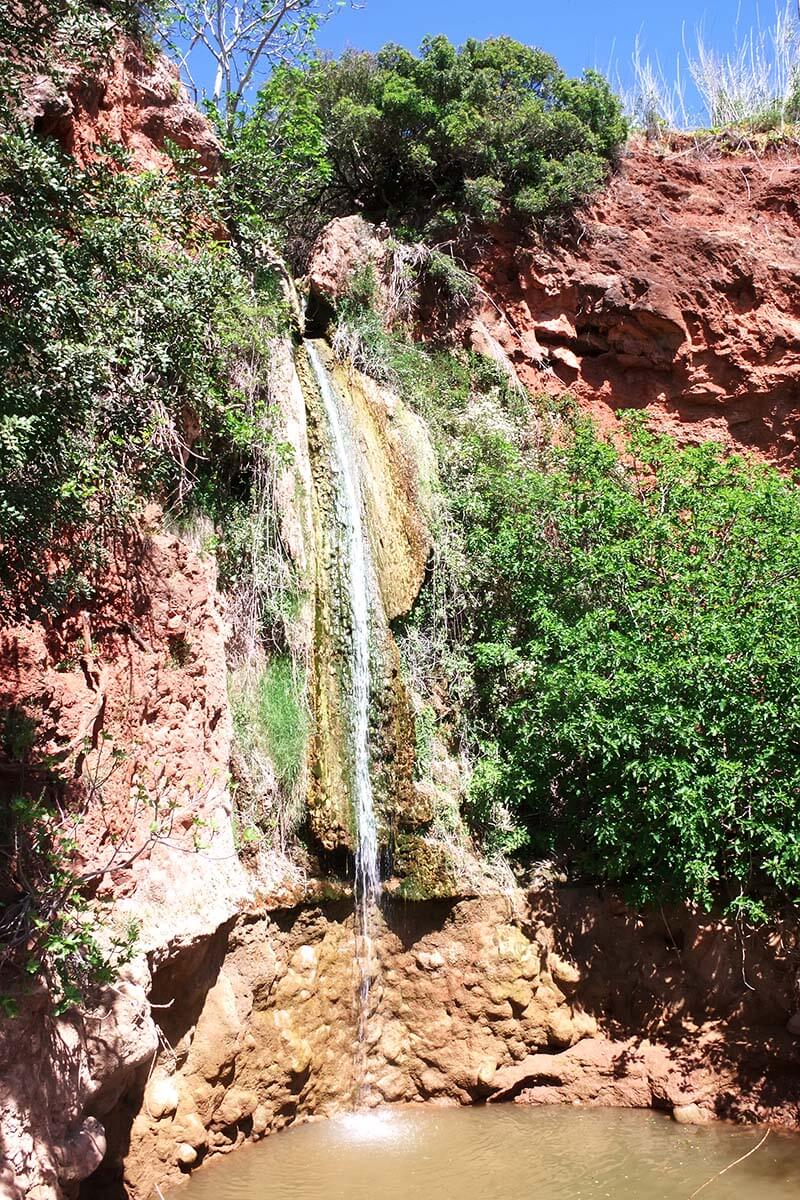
427, 869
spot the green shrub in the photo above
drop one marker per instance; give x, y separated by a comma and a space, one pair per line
619, 635
636, 649
425, 140
119, 331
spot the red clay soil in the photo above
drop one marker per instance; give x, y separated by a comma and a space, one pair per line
680, 293
135, 100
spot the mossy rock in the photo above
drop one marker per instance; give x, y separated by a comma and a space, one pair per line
427, 869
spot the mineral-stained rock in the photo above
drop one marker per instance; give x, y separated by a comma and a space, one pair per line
691, 1114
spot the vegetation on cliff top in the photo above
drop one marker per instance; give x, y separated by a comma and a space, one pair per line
451, 135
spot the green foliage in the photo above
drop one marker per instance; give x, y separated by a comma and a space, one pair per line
619, 636
636, 650
119, 332
437, 138
135, 347
497, 825
458, 284
270, 722
50, 37
424, 733
281, 715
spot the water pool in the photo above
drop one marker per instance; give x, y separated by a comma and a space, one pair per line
504, 1152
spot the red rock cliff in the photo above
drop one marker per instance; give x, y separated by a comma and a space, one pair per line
680, 294
677, 290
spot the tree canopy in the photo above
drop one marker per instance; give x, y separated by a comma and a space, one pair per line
434, 138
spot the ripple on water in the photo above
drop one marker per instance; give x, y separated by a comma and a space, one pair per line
505, 1152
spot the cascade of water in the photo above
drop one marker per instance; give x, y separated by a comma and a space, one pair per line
354, 569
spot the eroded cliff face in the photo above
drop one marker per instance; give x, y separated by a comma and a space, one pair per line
545, 998
128, 701
676, 292
680, 295
134, 100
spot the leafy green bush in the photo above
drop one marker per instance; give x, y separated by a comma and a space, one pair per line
119, 329
637, 657
619, 633
446, 135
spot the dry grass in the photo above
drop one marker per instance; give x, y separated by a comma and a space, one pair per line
752, 89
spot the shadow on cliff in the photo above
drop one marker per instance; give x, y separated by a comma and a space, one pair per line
716, 996
180, 986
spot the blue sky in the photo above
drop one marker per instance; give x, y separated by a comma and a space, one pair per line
580, 33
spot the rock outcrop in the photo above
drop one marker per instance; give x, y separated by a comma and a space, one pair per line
134, 100
677, 292
551, 998
680, 295
129, 704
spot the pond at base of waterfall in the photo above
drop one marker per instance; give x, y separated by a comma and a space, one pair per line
504, 1152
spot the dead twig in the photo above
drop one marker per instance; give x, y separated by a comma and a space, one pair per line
735, 1163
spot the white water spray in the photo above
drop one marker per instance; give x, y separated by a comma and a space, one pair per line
354, 570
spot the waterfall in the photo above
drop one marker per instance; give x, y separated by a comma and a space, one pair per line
353, 566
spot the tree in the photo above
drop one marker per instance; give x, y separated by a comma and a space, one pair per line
245, 39
442, 137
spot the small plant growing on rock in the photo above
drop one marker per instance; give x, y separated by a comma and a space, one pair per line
54, 933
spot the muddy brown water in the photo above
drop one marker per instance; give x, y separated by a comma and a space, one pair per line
505, 1152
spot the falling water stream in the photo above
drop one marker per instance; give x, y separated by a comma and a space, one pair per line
353, 565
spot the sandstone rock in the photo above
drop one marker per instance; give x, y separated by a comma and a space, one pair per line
393, 1041
346, 246
262, 1118
161, 1098
677, 300
190, 1128
432, 1082
186, 1154
236, 1105
216, 1040
565, 973
134, 101
560, 1027
429, 960
691, 1114
392, 1086
486, 1073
